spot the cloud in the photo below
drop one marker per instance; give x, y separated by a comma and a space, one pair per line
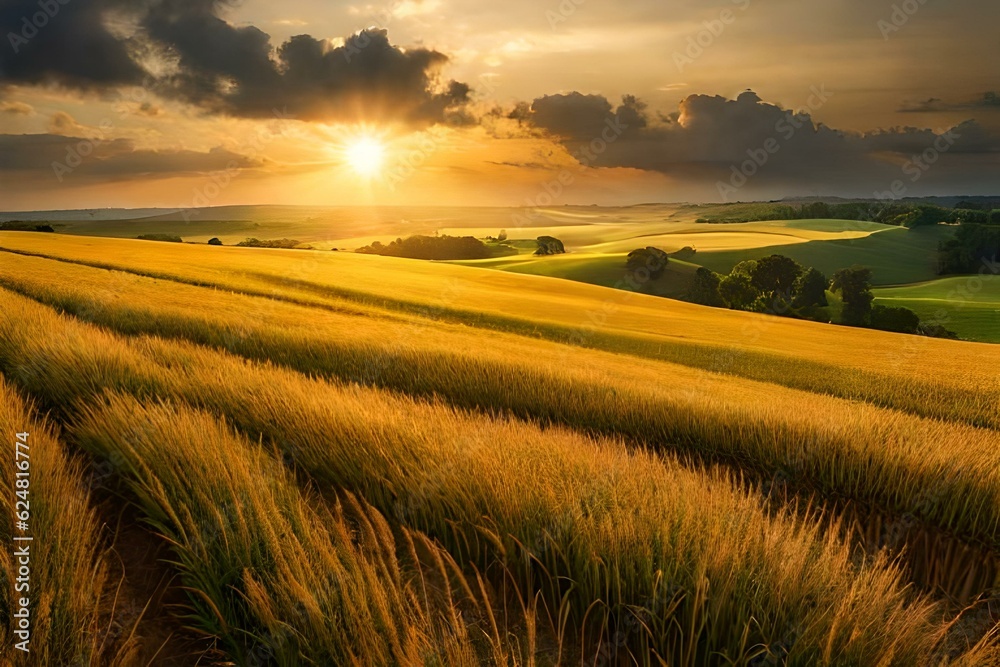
224, 68
709, 138
63, 124
67, 43
17, 108
990, 100
86, 159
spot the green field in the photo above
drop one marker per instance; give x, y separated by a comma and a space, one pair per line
968, 305
896, 255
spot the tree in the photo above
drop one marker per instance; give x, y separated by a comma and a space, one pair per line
705, 289
924, 214
502, 236
855, 285
893, 318
971, 248
810, 290
549, 245
935, 330
738, 291
815, 210
775, 273
648, 259
745, 267
214, 241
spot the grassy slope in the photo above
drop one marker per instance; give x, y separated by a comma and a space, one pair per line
968, 305
605, 270
705, 237
601, 259
896, 255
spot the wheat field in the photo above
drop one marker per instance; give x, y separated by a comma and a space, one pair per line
357, 460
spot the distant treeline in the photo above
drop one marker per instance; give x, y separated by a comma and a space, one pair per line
169, 238
888, 213
287, 244
24, 226
446, 247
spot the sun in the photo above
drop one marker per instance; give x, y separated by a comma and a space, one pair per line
365, 156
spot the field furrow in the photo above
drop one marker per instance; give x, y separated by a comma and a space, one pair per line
65, 569
275, 573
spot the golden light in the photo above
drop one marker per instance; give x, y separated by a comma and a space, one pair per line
365, 156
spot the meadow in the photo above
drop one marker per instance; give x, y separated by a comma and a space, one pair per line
968, 305
511, 469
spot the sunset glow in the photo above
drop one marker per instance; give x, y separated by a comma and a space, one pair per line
365, 156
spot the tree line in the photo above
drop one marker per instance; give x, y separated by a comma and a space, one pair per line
896, 213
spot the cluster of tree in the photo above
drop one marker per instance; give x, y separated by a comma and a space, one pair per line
24, 226
431, 247
286, 244
169, 238
774, 284
972, 246
549, 245
649, 263
779, 285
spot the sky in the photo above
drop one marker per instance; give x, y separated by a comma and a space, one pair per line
186, 103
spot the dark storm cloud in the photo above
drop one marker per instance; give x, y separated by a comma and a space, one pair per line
65, 42
576, 116
83, 158
225, 68
711, 136
367, 78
